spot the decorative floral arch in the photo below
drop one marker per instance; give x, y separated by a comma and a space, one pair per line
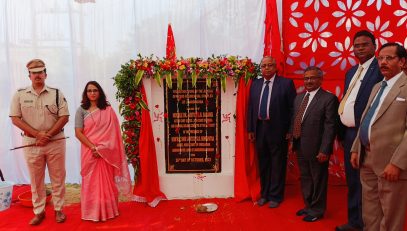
127, 82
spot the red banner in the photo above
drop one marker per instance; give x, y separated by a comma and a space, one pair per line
171, 53
272, 35
320, 33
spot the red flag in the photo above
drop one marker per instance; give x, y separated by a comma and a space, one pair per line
247, 181
170, 51
272, 36
147, 188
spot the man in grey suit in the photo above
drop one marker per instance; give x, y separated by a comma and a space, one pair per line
359, 81
380, 148
313, 130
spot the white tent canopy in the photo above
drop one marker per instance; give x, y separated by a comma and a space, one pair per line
89, 41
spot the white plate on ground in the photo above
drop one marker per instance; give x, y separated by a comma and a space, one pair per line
210, 207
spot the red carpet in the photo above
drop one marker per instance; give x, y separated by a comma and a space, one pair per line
180, 215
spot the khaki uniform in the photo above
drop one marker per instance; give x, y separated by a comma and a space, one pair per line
41, 112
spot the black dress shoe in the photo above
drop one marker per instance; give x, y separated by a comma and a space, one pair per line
301, 212
310, 218
273, 204
347, 227
261, 201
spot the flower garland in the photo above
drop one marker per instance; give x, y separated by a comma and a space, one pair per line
127, 82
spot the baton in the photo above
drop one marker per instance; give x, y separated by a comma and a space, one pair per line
31, 145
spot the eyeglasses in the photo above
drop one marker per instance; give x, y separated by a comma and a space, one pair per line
314, 78
92, 91
386, 58
268, 65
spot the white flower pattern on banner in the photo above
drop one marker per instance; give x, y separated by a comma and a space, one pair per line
315, 35
380, 31
402, 13
379, 3
316, 4
348, 14
338, 91
304, 66
292, 54
294, 15
343, 55
405, 43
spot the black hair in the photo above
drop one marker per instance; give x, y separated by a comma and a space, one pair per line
400, 50
365, 33
102, 102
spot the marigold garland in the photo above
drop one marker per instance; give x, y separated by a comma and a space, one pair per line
127, 82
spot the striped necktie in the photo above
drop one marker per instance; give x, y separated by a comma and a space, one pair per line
298, 117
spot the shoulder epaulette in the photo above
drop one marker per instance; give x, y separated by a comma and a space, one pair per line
22, 89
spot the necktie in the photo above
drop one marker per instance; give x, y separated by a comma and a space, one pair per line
350, 88
263, 101
298, 117
364, 127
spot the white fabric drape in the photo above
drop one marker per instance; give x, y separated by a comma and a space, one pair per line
80, 42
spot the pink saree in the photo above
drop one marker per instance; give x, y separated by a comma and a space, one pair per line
103, 178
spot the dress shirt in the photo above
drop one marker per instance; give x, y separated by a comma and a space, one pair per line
348, 115
311, 96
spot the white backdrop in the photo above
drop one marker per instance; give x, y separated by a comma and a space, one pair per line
80, 42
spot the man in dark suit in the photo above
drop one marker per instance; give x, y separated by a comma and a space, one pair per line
359, 81
270, 109
313, 130
380, 148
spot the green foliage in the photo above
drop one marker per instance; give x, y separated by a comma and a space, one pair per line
127, 82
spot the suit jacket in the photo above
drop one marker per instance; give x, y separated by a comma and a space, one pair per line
372, 76
388, 134
318, 127
280, 110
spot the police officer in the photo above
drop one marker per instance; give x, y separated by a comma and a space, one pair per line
42, 112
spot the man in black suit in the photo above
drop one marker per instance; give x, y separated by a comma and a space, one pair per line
359, 81
270, 109
313, 130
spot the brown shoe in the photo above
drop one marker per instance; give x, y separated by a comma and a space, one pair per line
37, 218
60, 217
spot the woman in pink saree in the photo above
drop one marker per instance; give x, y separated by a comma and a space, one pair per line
104, 168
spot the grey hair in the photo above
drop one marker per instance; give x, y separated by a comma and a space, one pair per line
315, 68
268, 56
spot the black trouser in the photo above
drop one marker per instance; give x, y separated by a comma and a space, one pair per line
272, 159
353, 182
314, 183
